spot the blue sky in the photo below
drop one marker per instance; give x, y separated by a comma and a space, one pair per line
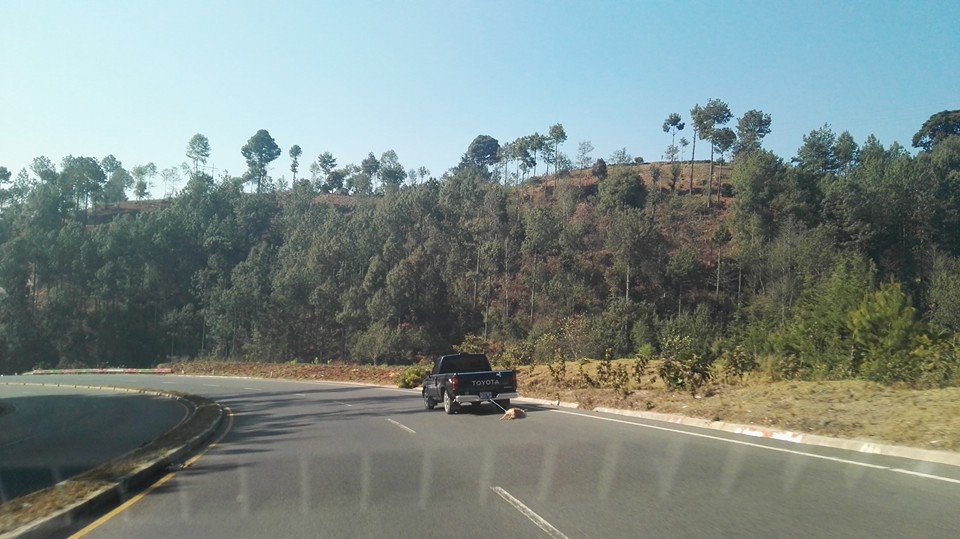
138, 79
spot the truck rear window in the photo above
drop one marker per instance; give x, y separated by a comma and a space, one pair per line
464, 364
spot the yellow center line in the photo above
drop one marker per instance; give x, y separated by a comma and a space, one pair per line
129, 503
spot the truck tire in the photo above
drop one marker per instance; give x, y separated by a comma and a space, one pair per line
428, 402
449, 406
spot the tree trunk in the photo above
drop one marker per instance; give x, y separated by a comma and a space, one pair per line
476, 279
719, 179
717, 294
710, 179
506, 278
739, 282
626, 290
693, 152
533, 289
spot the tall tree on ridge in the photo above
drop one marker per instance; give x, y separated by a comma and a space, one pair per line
817, 155
938, 127
325, 162
723, 141
671, 125
751, 128
110, 164
716, 113
846, 151
198, 151
295, 153
583, 154
557, 136
259, 151
391, 171
482, 152
537, 143
141, 176
696, 113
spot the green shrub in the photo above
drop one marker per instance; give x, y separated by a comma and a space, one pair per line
689, 374
789, 367
682, 367
583, 379
558, 368
884, 330
735, 363
937, 361
620, 380
514, 355
605, 369
640, 367
472, 344
412, 376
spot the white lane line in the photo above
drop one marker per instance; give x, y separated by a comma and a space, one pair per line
759, 446
251, 389
343, 403
926, 475
211, 385
527, 512
727, 440
402, 426
299, 395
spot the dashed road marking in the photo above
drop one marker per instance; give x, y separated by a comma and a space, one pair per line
402, 426
530, 514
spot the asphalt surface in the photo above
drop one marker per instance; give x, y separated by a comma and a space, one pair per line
330, 460
50, 433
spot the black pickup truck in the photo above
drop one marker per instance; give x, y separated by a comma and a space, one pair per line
467, 379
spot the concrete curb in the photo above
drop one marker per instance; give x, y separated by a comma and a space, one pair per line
545, 402
928, 455
205, 418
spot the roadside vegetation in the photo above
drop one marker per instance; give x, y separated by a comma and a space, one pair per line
839, 264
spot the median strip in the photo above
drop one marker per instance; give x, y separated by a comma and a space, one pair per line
42, 513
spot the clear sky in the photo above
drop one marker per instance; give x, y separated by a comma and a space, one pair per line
137, 79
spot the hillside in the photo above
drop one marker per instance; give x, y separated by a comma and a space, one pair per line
813, 272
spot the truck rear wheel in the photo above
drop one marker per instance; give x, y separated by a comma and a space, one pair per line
449, 405
428, 402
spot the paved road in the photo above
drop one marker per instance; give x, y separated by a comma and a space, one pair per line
327, 460
48, 434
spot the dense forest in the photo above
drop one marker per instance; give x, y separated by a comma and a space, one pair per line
843, 261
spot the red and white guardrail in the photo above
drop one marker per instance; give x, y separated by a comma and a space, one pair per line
101, 371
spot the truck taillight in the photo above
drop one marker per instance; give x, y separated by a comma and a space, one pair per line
513, 379
454, 383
